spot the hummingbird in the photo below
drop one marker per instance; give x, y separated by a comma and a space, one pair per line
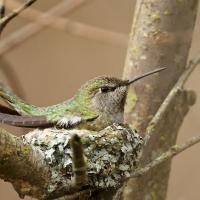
97, 104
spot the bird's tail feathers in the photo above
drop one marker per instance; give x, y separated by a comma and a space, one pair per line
24, 121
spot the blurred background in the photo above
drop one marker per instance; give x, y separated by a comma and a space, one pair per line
53, 64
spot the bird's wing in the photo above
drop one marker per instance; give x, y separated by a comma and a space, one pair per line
71, 120
25, 121
67, 121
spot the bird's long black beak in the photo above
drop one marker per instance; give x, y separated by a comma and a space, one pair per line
144, 75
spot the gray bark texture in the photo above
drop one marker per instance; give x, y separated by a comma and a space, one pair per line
161, 35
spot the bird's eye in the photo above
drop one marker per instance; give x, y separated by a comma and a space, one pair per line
105, 89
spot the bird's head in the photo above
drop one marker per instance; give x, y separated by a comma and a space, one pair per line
107, 94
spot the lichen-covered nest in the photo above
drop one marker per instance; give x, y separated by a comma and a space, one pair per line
111, 154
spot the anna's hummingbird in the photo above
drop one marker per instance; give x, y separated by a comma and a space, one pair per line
97, 104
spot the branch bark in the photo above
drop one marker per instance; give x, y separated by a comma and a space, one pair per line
154, 41
2, 12
173, 151
5, 20
2, 8
22, 165
165, 124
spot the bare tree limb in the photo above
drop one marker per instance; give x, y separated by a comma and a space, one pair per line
74, 28
5, 67
2, 8
193, 63
22, 165
173, 151
166, 124
8, 71
169, 101
155, 41
20, 36
2, 12
172, 112
5, 20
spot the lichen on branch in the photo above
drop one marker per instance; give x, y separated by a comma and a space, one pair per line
110, 155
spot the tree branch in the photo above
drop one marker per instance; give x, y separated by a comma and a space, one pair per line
2, 12
20, 36
172, 112
22, 165
173, 151
193, 63
25, 33
2, 8
8, 71
169, 102
165, 124
5, 20
73, 27
155, 41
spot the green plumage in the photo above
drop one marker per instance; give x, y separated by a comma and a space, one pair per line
97, 104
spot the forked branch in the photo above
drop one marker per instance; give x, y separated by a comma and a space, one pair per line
173, 151
5, 20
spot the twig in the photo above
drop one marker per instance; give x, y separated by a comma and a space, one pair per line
20, 36
4, 21
8, 71
73, 27
193, 63
173, 151
79, 166
2, 12
177, 98
2, 8
25, 33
